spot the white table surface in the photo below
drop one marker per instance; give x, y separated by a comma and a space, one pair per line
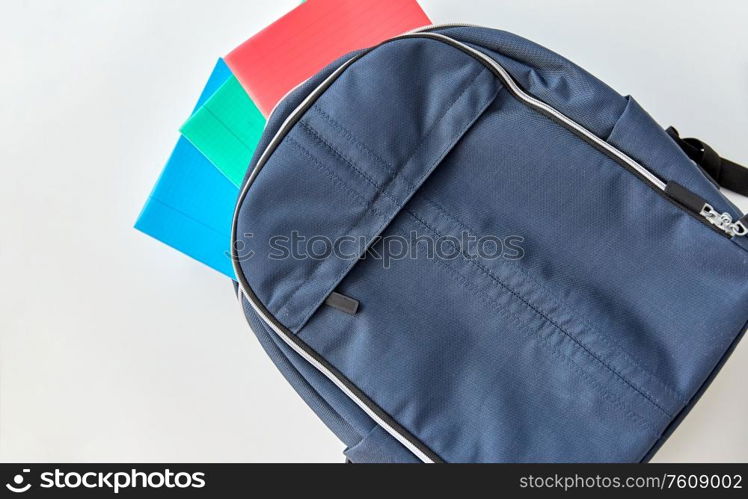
114, 347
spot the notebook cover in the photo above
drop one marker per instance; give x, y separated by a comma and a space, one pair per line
315, 33
226, 130
192, 204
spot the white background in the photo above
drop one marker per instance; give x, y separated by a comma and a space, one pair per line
114, 347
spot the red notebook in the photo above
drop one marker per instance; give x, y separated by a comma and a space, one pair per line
317, 32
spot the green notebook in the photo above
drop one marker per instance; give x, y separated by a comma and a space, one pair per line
226, 129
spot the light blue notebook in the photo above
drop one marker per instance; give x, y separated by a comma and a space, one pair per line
192, 204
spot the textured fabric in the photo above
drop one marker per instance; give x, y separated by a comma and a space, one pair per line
587, 345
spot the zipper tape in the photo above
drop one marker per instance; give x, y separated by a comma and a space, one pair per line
731, 229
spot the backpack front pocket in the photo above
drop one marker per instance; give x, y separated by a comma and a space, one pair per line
332, 192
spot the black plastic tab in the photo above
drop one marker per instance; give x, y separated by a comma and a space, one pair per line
688, 199
343, 303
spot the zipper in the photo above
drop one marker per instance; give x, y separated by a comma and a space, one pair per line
431, 27
721, 222
707, 215
724, 221
550, 111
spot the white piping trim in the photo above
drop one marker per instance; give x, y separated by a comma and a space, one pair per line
321, 368
283, 130
298, 85
532, 101
429, 27
237, 270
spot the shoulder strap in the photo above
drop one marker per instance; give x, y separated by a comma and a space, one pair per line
723, 172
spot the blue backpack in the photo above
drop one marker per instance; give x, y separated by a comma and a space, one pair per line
458, 246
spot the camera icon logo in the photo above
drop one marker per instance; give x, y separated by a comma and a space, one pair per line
17, 485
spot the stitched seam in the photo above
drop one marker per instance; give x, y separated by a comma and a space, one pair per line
498, 281
352, 138
313, 306
377, 186
306, 126
441, 117
616, 401
633, 416
336, 179
360, 198
318, 264
626, 107
607, 341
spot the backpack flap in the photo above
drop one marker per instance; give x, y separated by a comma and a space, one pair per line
322, 196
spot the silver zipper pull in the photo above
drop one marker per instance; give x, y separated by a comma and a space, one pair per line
724, 221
